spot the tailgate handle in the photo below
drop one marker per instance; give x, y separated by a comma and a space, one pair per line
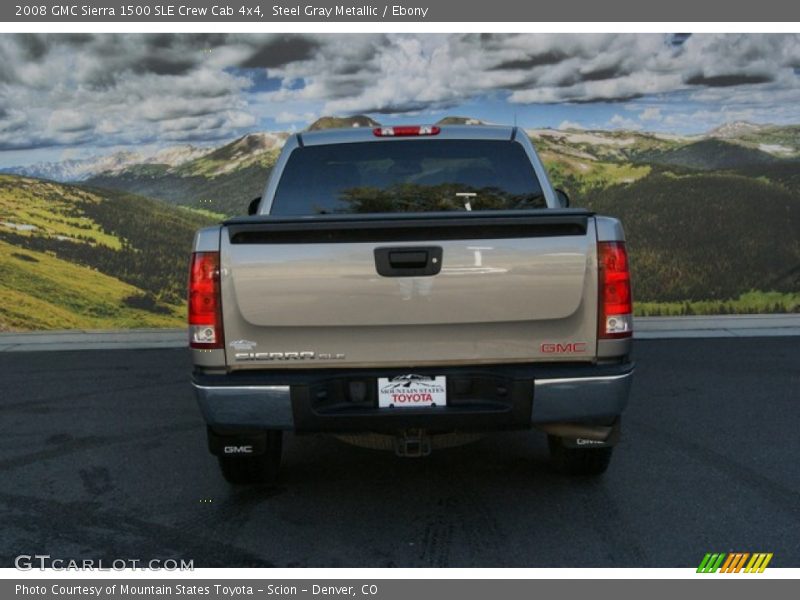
408, 261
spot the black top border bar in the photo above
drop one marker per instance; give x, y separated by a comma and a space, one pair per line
460, 11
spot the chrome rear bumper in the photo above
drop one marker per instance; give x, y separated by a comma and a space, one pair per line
574, 399
259, 407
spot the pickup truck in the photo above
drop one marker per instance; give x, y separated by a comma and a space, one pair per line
410, 288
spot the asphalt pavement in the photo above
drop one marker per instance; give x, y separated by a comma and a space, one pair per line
103, 456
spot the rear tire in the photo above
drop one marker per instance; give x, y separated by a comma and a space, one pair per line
263, 468
578, 461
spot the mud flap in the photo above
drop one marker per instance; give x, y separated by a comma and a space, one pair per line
584, 435
611, 438
237, 444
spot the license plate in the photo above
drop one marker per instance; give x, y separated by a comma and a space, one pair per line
408, 391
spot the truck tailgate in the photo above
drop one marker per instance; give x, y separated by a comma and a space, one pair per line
308, 293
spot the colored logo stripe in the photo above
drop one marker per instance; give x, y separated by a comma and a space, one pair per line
758, 563
710, 563
734, 562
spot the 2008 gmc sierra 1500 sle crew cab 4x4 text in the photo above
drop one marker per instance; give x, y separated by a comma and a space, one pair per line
410, 288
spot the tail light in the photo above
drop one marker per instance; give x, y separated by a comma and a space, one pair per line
406, 130
615, 311
205, 303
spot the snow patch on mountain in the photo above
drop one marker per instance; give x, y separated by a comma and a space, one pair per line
736, 129
776, 149
81, 169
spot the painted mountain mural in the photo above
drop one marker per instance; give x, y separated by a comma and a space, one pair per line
712, 220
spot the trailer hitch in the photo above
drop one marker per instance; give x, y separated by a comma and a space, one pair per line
412, 443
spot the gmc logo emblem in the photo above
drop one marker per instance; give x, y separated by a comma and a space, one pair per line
568, 348
238, 449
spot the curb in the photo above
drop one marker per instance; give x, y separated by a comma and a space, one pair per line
94, 339
658, 328
645, 328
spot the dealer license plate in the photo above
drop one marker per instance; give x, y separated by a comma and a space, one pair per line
408, 391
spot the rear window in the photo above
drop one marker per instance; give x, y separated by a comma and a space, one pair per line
407, 176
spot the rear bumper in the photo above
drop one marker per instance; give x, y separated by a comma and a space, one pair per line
479, 399
565, 399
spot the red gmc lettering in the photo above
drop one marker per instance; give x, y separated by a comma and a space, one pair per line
568, 348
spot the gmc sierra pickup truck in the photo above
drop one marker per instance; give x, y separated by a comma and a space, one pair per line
410, 288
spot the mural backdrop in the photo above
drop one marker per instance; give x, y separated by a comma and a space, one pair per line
115, 148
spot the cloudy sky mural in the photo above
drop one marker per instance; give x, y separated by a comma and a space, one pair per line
70, 95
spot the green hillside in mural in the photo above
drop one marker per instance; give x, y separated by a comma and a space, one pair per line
712, 225
75, 257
